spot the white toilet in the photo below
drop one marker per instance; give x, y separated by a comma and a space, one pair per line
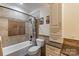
34, 50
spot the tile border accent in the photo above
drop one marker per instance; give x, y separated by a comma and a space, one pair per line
52, 43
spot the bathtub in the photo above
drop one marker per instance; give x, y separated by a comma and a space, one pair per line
19, 49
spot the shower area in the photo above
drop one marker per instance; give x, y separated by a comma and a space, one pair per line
17, 29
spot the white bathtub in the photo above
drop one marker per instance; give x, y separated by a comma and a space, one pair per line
19, 49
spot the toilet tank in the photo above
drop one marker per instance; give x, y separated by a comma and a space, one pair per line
40, 42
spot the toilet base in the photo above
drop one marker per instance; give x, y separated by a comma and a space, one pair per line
38, 54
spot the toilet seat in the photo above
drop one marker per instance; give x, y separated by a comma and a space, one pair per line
33, 50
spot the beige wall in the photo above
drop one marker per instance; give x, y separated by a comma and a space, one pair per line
44, 29
6, 15
42, 11
1, 46
9, 40
12, 14
70, 20
3, 30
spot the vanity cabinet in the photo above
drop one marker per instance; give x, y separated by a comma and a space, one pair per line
52, 51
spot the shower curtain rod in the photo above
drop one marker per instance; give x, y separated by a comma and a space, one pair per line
16, 11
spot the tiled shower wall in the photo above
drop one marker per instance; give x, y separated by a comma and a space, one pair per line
9, 40
4, 31
5, 16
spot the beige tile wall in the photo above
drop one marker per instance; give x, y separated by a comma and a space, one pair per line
6, 15
3, 30
12, 14
9, 40
56, 22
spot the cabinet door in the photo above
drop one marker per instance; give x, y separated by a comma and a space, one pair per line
52, 51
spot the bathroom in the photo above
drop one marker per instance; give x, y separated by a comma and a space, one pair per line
19, 29
39, 29
28, 28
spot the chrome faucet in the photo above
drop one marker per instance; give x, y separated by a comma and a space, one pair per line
30, 38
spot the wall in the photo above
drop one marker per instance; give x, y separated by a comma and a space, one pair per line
9, 40
43, 11
12, 14
70, 20
1, 46
6, 15
3, 30
44, 29
56, 22
16, 6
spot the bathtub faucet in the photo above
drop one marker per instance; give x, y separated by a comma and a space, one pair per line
30, 38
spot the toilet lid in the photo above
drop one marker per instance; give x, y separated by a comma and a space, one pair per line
34, 48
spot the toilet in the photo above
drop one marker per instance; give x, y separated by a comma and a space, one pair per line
35, 50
